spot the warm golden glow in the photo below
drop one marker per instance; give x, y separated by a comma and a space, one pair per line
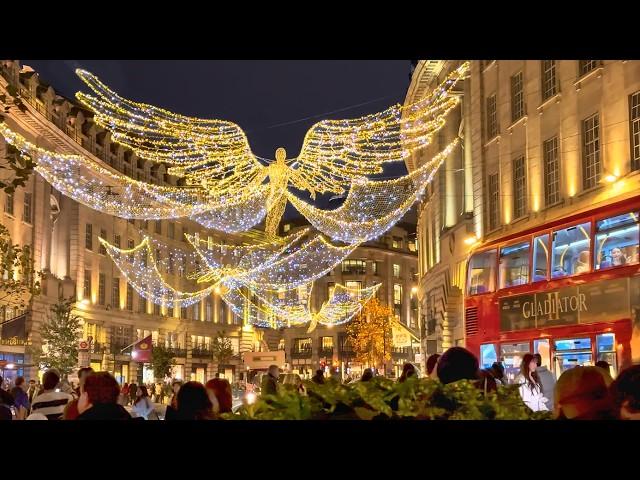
470, 240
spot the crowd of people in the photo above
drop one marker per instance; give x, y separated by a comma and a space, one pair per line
584, 393
99, 397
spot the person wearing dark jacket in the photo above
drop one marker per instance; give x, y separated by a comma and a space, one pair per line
270, 381
99, 399
318, 377
172, 409
20, 397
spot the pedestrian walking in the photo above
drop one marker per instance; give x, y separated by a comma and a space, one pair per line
529, 385
133, 388
143, 406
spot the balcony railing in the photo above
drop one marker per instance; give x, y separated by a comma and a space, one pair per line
325, 352
301, 353
201, 352
177, 351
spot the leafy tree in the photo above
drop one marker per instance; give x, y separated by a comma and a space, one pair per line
18, 280
222, 348
15, 169
162, 361
60, 335
370, 333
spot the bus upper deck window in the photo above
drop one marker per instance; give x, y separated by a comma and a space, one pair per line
616, 241
571, 247
540, 257
514, 265
482, 273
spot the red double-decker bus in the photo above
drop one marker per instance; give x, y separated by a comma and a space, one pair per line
568, 289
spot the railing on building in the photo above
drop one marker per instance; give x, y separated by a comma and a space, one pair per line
301, 353
201, 352
326, 352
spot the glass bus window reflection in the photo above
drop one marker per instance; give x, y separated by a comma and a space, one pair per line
488, 355
540, 257
514, 265
617, 241
482, 272
571, 248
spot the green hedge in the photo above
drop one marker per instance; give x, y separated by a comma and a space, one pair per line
381, 398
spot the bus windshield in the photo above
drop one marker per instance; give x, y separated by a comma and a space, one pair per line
482, 272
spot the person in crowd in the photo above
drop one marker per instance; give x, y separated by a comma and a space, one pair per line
334, 375
71, 411
142, 407
582, 262
152, 391
5, 412
604, 365
172, 408
432, 363
219, 391
194, 403
625, 394
33, 389
617, 257
20, 398
547, 381
133, 388
124, 395
582, 393
558, 271
486, 381
5, 397
318, 377
270, 381
367, 375
408, 370
497, 372
50, 402
36, 416
530, 385
457, 363
99, 399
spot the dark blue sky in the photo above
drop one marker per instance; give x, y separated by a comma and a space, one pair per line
258, 95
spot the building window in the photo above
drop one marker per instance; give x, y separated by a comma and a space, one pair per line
492, 117
102, 249
517, 97
326, 343
397, 300
551, 171
8, 203
172, 230
159, 226
183, 312
634, 125
130, 247
142, 302
88, 237
208, 311
26, 212
185, 232
170, 311
585, 66
302, 345
156, 309
590, 152
102, 287
549, 82
396, 270
87, 284
374, 267
354, 285
196, 311
129, 297
494, 202
115, 293
357, 267
116, 240
519, 187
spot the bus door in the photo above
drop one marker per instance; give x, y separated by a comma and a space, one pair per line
511, 355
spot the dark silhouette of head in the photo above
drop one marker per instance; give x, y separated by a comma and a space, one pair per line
625, 393
603, 364
193, 402
497, 370
457, 363
101, 388
408, 370
367, 375
538, 358
50, 379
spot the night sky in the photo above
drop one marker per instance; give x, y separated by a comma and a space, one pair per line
274, 101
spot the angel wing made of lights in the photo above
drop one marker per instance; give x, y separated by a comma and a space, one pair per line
214, 155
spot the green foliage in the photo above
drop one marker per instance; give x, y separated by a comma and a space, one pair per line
60, 336
162, 362
222, 348
18, 280
18, 169
381, 398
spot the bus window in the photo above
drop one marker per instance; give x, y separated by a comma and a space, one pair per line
571, 250
488, 355
511, 354
606, 348
542, 347
482, 272
616, 241
540, 257
514, 265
